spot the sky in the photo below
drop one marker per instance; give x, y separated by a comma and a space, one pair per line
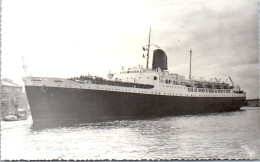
67, 38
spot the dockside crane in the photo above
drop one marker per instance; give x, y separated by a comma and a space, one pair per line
24, 67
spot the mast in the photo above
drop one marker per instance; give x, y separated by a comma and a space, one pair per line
190, 63
24, 67
148, 49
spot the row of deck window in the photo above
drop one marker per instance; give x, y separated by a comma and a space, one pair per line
174, 82
208, 90
135, 71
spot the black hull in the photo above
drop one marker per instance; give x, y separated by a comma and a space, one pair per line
53, 103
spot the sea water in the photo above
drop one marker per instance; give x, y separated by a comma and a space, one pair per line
230, 135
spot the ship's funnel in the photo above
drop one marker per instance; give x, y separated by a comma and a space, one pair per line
159, 59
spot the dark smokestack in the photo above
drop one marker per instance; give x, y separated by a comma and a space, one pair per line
159, 59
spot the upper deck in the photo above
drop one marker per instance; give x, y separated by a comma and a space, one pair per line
144, 82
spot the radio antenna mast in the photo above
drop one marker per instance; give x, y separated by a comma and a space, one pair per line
148, 49
190, 63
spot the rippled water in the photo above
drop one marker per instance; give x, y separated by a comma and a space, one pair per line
232, 135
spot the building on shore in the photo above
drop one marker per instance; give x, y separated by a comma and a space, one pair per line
253, 102
12, 97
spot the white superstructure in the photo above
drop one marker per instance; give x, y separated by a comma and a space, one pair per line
163, 82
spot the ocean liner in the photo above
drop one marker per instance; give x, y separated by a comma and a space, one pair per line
133, 92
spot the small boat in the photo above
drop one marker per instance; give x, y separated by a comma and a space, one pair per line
10, 118
215, 85
188, 83
224, 85
197, 84
206, 85
21, 114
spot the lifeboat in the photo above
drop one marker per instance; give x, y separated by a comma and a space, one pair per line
224, 85
188, 83
197, 84
206, 85
215, 85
